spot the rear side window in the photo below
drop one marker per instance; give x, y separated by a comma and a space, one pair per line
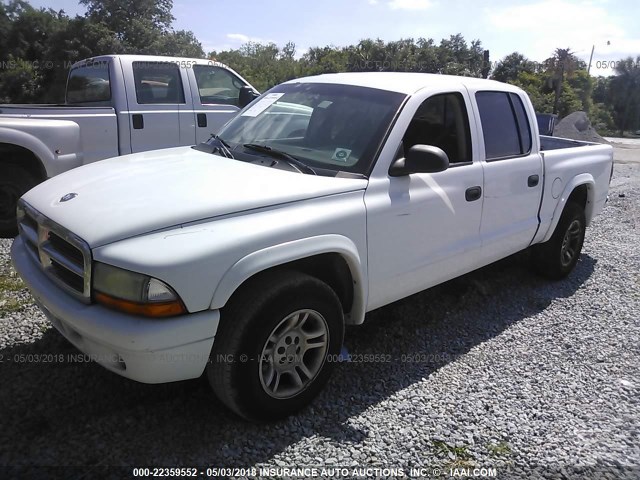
158, 82
505, 127
89, 83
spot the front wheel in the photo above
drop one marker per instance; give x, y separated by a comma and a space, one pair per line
557, 257
273, 349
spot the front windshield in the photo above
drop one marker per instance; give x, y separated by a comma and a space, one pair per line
326, 126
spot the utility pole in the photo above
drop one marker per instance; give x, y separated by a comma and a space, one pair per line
591, 58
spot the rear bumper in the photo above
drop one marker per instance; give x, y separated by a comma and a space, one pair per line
142, 349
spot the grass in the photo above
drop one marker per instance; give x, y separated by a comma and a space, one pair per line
459, 452
459, 456
10, 284
499, 449
11, 305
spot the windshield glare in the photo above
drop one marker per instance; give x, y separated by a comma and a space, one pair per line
336, 127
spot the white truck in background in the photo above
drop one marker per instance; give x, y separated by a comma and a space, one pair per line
244, 257
115, 105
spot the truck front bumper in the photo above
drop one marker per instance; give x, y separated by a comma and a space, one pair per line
142, 349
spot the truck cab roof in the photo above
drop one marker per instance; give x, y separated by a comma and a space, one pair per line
153, 58
405, 82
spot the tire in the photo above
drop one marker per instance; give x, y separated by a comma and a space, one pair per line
557, 257
14, 182
262, 344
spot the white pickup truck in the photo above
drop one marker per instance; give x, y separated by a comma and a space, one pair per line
115, 105
244, 257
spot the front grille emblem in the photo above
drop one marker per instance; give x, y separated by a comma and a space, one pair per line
68, 196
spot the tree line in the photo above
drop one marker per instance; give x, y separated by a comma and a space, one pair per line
562, 84
36, 45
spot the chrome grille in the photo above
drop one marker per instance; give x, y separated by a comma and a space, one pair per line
63, 256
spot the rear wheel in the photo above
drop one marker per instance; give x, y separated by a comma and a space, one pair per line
14, 182
272, 352
557, 257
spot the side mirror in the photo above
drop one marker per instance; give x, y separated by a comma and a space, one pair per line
247, 95
420, 159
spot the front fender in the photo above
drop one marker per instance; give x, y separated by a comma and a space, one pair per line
578, 180
269, 257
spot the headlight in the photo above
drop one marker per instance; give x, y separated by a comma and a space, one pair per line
134, 293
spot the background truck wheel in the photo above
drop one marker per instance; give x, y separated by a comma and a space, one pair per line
557, 257
273, 349
14, 182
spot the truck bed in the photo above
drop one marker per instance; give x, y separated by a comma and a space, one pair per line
565, 161
556, 143
97, 137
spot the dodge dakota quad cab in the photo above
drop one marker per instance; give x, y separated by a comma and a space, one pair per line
244, 257
115, 104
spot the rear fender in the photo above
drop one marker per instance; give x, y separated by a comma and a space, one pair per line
582, 179
56, 158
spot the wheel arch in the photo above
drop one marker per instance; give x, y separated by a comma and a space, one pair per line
21, 156
334, 259
581, 189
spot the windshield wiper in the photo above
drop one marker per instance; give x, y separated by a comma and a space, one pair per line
223, 147
290, 159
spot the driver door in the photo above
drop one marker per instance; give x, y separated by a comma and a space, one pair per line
215, 92
424, 228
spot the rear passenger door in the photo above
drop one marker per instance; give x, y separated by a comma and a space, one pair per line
155, 102
512, 175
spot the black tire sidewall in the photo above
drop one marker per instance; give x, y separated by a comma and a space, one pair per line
19, 181
250, 398
573, 212
548, 256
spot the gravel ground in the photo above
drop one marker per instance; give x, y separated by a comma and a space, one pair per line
498, 369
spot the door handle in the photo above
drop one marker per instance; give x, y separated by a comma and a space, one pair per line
533, 180
138, 121
473, 193
202, 119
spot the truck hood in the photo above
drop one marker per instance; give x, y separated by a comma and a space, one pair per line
134, 194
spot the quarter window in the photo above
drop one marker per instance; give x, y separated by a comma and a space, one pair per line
158, 82
523, 123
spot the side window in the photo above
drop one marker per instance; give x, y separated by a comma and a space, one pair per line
217, 85
442, 121
158, 82
505, 127
523, 123
89, 83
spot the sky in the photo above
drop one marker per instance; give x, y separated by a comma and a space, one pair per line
534, 28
